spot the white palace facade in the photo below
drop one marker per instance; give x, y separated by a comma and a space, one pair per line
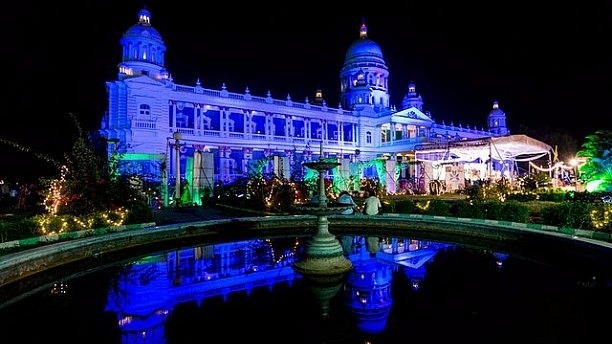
165, 130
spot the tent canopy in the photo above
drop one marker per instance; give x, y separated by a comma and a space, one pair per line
512, 147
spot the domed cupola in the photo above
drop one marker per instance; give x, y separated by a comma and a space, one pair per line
364, 78
497, 121
412, 98
143, 50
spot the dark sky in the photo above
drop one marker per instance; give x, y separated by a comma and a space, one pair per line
548, 67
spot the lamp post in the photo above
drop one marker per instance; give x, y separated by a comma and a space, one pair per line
177, 174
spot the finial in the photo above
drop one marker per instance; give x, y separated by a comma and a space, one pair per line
363, 30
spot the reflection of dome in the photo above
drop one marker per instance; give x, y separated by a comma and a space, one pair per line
368, 294
500, 257
415, 275
143, 28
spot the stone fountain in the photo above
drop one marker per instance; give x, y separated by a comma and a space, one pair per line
323, 263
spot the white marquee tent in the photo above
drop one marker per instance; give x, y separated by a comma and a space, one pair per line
515, 148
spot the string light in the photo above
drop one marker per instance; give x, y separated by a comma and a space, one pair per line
552, 168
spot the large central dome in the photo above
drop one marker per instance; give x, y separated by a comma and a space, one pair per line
363, 51
364, 75
364, 48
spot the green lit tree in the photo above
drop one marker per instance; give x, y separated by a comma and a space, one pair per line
88, 182
596, 172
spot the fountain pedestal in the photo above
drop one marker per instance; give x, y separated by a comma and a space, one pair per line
323, 255
323, 263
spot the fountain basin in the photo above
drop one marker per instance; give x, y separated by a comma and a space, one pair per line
322, 210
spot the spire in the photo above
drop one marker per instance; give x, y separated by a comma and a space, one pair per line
363, 30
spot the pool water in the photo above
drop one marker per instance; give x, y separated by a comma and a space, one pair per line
404, 291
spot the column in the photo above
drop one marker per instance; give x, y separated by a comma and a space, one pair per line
247, 155
247, 124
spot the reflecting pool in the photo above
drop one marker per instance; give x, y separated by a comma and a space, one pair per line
400, 290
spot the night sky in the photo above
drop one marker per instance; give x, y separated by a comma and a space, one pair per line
548, 67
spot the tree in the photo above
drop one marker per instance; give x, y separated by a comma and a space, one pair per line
87, 182
596, 172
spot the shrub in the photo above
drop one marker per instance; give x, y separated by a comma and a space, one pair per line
522, 196
435, 206
514, 211
468, 209
567, 214
494, 210
405, 206
551, 196
17, 227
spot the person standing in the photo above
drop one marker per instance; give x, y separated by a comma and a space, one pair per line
346, 199
372, 205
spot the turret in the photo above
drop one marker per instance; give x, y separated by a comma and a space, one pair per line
497, 121
412, 98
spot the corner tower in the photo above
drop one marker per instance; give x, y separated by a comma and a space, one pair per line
143, 50
364, 78
497, 121
412, 98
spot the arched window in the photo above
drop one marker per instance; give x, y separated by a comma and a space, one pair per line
368, 137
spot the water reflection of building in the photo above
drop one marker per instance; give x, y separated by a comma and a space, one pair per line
367, 292
149, 289
411, 254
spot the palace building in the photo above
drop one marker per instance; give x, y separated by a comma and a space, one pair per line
172, 132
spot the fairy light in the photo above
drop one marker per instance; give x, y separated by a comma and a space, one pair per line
552, 168
423, 205
56, 224
601, 219
54, 197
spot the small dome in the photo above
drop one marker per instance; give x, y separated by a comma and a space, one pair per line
496, 111
143, 28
